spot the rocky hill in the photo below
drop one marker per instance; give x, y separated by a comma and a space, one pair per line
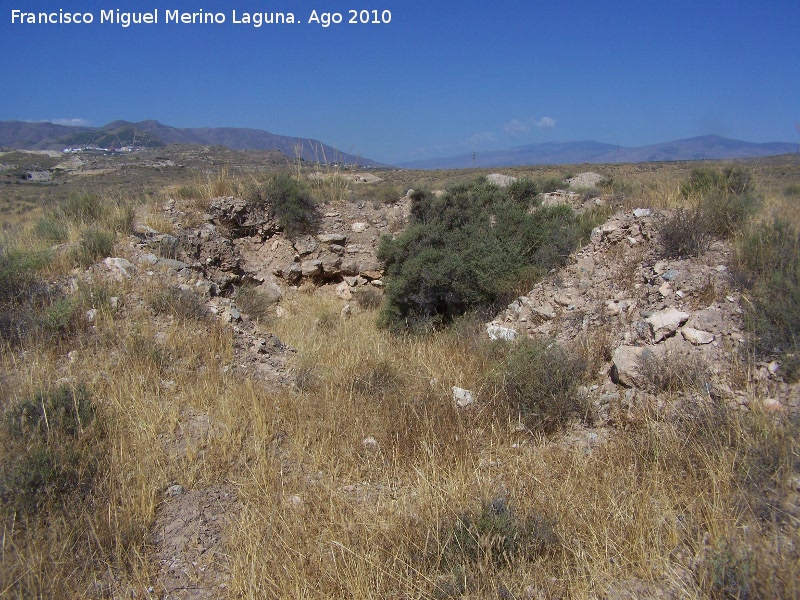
47, 136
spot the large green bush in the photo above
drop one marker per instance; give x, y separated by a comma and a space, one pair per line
468, 249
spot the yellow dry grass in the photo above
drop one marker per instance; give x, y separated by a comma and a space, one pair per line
699, 506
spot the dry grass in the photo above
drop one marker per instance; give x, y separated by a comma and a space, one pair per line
699, 504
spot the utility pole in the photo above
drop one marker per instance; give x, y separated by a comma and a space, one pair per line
473, 153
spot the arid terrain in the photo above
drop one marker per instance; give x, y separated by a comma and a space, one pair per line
233, 375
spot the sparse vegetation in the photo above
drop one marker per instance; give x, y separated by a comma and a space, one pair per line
360, 477
541, 381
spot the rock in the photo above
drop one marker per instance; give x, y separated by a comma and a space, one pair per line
171, 263
625, 364
463, 398
343, 291
305, 244
336, 248
359, 227
332, 238
370, 444
697, 337
349, 268
147, 259
330, 263
545, 310
641, 212
346, 312
665, 290
670, 275
665, 322
496, 332
293, 274
175, 490
500, 180
311, 268
119, 267
773, 367
113, 302
231, 315
91, 315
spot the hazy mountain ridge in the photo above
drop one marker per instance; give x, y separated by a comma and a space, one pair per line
48, 136
698, 148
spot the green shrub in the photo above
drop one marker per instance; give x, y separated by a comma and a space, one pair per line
541, 384
525, 192
766, 264
93, 244
63, 316
48, 463
724, 198
52, 227
291, 204
66, 411
19, 278
496, 537
467, 250
83, 207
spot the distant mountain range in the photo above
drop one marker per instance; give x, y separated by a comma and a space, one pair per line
557, 153
24, 135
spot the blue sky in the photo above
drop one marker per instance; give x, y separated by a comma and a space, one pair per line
439, 79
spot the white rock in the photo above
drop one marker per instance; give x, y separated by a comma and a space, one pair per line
626, 364
359, 227
346, 312
666, 322
697, 337
343, 291
641, 212
496, 332
91, 315
463, 398
773, 367
370, 443
119, 266
545, 310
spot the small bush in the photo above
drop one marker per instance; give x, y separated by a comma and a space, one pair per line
51, 228
66, 411
48, 464
82, 208
368, 297
255, 302
673, 373
766, 264
733, 573
63, 316
93, 244
19, 279
291, 204
525, 192
177, 303
541, 384
495, 538
683, 235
